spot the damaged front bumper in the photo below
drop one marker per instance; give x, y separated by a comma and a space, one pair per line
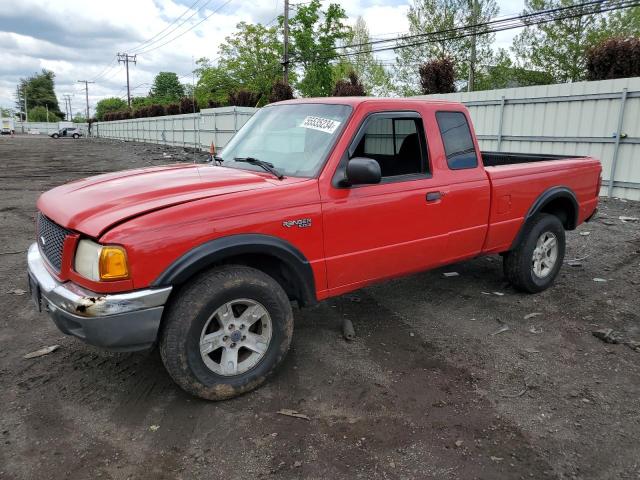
123, 321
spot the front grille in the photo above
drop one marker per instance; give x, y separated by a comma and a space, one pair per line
51, 240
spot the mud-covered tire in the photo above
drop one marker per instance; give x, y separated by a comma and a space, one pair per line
185, 321
519, 263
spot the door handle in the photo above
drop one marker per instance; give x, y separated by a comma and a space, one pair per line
434, 196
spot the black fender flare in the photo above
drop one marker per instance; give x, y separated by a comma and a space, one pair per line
220, 249
543, 200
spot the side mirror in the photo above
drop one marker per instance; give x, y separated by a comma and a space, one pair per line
362, 170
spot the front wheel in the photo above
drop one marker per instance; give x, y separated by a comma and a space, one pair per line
534, 264
76, 136
55, 135
226, 331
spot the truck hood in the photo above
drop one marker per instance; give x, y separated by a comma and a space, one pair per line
94, 204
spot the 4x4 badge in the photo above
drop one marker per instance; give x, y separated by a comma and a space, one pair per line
300, 223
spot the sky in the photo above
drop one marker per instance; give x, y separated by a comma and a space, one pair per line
80, 40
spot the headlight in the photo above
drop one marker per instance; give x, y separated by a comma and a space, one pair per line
101, 262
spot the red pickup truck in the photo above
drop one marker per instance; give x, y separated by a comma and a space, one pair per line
312, 198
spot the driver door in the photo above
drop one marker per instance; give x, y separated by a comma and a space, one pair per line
392, 228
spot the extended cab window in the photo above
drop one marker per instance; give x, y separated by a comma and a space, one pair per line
395, 143
458, 143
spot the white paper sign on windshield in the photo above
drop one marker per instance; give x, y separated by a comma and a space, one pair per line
322, 124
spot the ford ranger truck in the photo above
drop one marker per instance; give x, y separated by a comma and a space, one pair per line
311, 199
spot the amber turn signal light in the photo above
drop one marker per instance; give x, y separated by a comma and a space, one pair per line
113, 263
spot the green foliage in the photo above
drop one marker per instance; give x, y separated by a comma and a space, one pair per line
137, 102
375, 79
251, 57
5, 112
78, 118
614, 58
503, 73
166, 88
428, 16
39, 114
40, 92
315, 35
214, 84
109, 105
560, 47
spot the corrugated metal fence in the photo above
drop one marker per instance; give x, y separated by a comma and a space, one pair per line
194, 130
600, 119
44, 128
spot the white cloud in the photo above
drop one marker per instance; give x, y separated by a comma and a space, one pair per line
78, 40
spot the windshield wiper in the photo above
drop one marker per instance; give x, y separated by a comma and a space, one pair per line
266, 166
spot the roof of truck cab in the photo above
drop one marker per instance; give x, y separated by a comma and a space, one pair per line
355, 101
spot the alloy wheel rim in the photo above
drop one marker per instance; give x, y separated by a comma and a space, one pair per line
236, 337
545, 255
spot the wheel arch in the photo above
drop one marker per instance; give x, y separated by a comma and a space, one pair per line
558, 201
274, 256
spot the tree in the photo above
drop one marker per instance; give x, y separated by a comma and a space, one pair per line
6, 112
166, 88
280, 91
214, 84
375, 78
614, 58
189, 105
314, 37
40, 92
251, 57
109, 105
430, 16
503, 73
243, 98
39, 114
437, 76
349, 88
78, 118
558, 47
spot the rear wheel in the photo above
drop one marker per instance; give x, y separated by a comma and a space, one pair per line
534, 264
226, 332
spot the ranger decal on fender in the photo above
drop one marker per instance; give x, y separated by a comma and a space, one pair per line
300, 223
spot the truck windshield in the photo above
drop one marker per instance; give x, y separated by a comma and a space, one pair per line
294, 138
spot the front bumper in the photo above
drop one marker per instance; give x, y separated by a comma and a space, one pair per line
123, 321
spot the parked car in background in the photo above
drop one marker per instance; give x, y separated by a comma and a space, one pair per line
7, 126
69, 132
312, 198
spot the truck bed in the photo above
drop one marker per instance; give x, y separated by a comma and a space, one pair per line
496, 159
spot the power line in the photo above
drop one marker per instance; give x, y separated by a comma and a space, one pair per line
537, 18
216, 10
149, 40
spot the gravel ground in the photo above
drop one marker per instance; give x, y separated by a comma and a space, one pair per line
434, 386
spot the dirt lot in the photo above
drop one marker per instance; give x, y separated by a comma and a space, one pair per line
429, 389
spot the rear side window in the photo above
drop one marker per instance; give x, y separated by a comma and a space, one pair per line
457, 139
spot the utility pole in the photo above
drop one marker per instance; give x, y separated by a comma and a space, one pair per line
26, 114
126, 58
472, 62
285, 60
86, 94
67, 106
